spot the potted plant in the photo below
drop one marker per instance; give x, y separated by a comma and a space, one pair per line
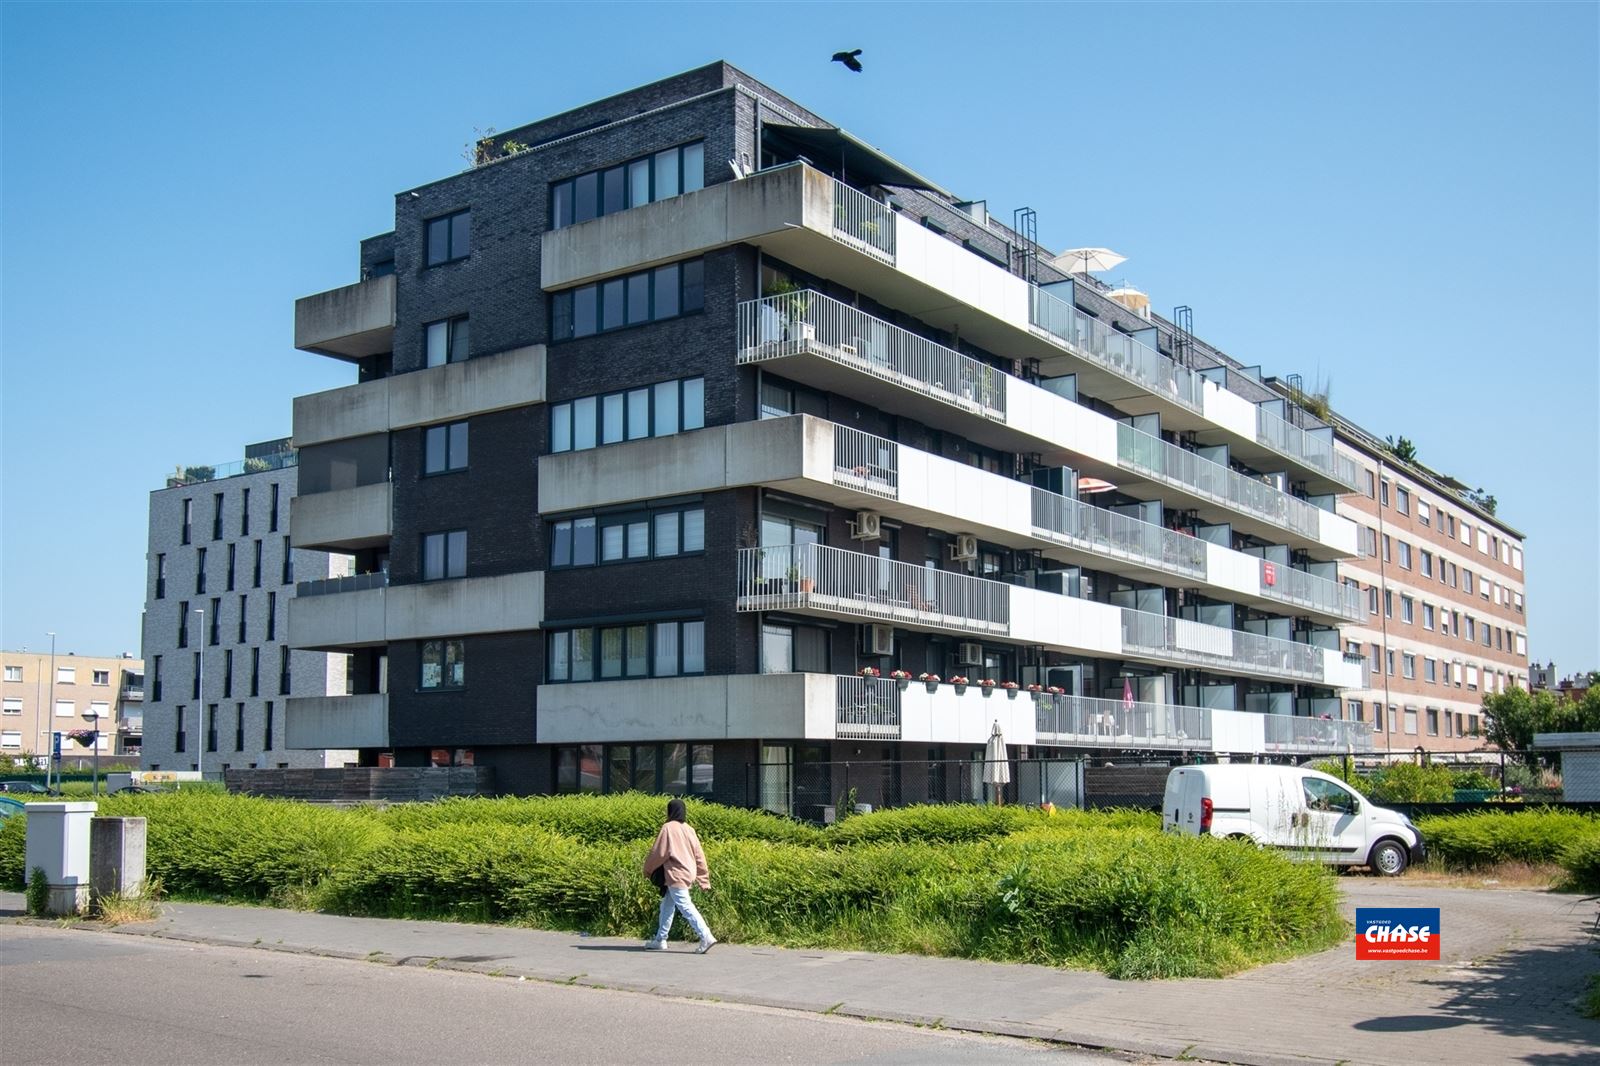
1035, 688
901, 678
870, 671
987, 685
792, 308
931, 680
960, 682
1056, 690
1011, 689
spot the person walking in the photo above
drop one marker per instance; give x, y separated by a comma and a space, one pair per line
677, 854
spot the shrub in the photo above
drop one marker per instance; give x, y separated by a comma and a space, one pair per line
1473, 780
1581, 861
1405, 782
631, 816
1539, 836
37, 900
13, 845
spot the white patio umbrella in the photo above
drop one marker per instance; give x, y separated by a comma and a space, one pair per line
1087, 260
996, 765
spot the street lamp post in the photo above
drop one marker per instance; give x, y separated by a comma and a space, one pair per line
48, 715
200, 687
93, 717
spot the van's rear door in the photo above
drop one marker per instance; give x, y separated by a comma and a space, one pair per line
1172, 801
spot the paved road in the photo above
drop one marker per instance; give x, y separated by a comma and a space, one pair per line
89, 998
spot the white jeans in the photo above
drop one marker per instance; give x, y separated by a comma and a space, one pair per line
677, 900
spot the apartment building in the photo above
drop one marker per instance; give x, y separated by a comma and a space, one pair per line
1444, 602
45, 694
682, 412
221, 572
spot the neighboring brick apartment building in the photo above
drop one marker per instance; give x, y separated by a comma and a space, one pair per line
219, 544
677, 417
37, 706
1443, 586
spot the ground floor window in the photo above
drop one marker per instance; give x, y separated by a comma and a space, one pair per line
777, 778
675, 769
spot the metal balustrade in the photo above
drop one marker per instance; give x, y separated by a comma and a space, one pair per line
1065, 520
863, 461
1152, 457
799, 576
808, 322
863, 222
378, 579
1094, 340
1295, 734
1087, 720
867, 708
1298, 587
1288, 439
1231, 650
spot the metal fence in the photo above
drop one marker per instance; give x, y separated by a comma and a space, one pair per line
1111, 350
1197, 642
1313, 449
1087, 720
863, 461
818, 791
325, 586
1308, 590
862, 222
1061, 518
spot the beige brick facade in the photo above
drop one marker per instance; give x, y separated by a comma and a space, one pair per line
34, 708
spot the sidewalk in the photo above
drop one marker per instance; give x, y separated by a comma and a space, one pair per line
1513, 963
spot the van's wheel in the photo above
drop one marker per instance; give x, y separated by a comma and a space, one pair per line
1388, 858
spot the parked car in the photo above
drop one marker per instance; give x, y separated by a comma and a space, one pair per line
8, 807
27, 786
1307, 813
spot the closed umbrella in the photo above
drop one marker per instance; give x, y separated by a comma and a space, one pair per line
996, 765
1087, 260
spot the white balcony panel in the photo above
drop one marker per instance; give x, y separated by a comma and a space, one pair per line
342, 520
1339, 672
350, 322
1239, 732
945, 717
458, 607
736, 707
1065, 622
1232, 412
945, 267
486, 383
1233, 571
337, 721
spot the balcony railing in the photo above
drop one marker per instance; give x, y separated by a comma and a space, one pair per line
862, 222
192, 475
1287, 733
868, 709
351, 583
1308, 590
863, 461
1288, 439
1065, 520
1154, 458
792, 323
1066, 719
1091, 339
1228, 649
799, 576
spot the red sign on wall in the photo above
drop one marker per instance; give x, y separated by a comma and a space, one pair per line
1269, 573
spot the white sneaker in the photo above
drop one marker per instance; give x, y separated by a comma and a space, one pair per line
655, 945
706, 945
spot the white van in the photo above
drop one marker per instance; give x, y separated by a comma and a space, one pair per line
1305, 812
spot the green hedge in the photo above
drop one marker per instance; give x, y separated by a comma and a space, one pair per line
1104, 890
1535, 835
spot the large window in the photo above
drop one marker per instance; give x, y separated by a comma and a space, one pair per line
444, 664
655, 649
648, 296
446, 341
444, 448
449, 238
632, 184
674, 769
786, 648
652, 534
658, 410
444, 555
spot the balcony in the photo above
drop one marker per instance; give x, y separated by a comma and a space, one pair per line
1105, 534
365, 611
352, 322
1308, 449
343, 520
821, 707
195, 475
825, 343
1313, 594
1227, 650
337, 722
1095, 341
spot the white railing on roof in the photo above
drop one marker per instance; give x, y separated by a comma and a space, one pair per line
863, 222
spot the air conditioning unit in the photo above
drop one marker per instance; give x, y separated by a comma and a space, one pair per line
867, 526
965, 548
971, 655
880, 640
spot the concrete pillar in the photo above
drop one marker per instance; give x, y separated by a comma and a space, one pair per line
58, 843
116, 857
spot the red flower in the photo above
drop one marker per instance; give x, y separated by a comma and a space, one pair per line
901, 675
987, 682
870, 671
932, 679
1008, 684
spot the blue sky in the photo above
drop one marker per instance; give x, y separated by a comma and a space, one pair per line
1397, 198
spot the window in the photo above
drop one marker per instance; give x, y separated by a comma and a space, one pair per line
1372, 599
647, 296
444, 555
445, 341
449, 238
1369, 542
1386, 546
1389, 656
155, 679
283, 671
200, 571
1408, 608
1388, 603
1405, 556
266, 732
233, 558
272, 514
272, 616
1483, 542
444, 448
1411, 721
216, 517
801, 649
632, 184
657, 649
1372, 487
288, 563
1424, 513
1426, 558
238, 727
211, 727
654, 534
661, 410
1402, 500
10, 738
1450, 524
1430, 671
180, 740
1408, 666
100, 677
443, 664
244, 606
66, 709
214, 636
1377, 664
227, 672
188, 521
13, 673
1433, 721
13, 705
66, 675
1427, 616
161, 575
183, 623
255, 574
1384, 487
244, 513
1327, 796
1466, 581
777, 399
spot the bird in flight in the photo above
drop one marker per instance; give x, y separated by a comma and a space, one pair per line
849, 59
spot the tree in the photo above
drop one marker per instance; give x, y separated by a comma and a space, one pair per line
1402, 449
1511, 718
1484, 500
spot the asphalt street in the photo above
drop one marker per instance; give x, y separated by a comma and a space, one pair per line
86, 998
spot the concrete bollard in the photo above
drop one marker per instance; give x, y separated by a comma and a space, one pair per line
58, 843
116, 858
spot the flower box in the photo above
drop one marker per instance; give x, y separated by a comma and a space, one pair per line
871, 671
